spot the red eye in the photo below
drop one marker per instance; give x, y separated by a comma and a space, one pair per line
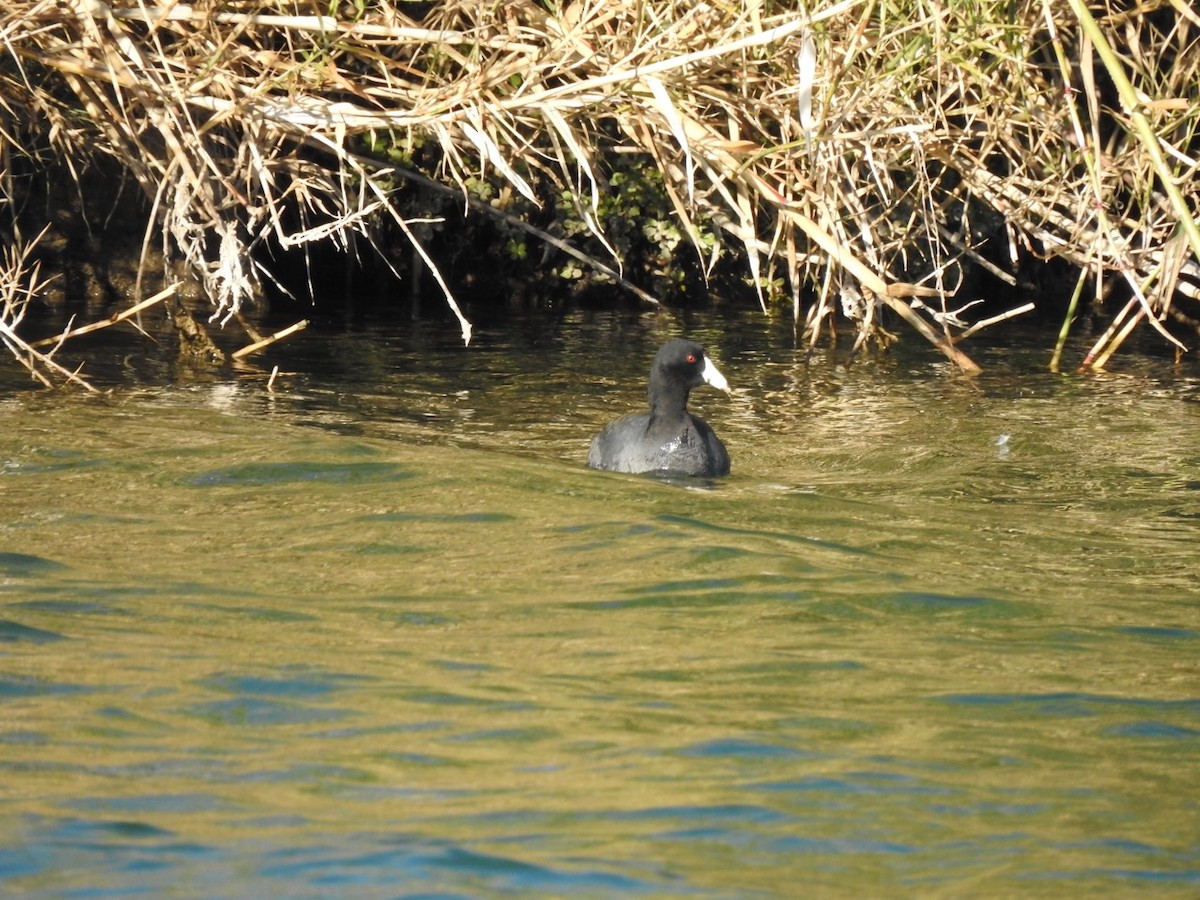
691, 357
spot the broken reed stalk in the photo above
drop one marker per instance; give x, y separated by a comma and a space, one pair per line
267, 341
124, 314
855, 152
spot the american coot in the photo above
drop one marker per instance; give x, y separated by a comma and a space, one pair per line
667, 439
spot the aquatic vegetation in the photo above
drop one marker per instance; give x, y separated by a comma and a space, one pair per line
854, 161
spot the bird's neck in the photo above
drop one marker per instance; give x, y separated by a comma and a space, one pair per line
668, 401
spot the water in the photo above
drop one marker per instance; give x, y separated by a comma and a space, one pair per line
381, 634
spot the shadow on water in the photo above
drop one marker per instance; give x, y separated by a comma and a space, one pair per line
381, 632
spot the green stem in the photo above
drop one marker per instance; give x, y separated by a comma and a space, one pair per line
1066, 325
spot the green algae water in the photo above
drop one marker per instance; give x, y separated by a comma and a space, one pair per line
380, 633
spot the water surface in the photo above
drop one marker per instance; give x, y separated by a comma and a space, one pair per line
380, 633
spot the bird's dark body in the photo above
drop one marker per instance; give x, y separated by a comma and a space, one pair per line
666, 439
690, 449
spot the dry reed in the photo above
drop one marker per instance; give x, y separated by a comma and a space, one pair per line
854, 154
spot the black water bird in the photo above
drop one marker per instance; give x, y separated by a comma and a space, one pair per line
666, 440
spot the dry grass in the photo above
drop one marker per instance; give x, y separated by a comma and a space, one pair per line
19, 284
845, 152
